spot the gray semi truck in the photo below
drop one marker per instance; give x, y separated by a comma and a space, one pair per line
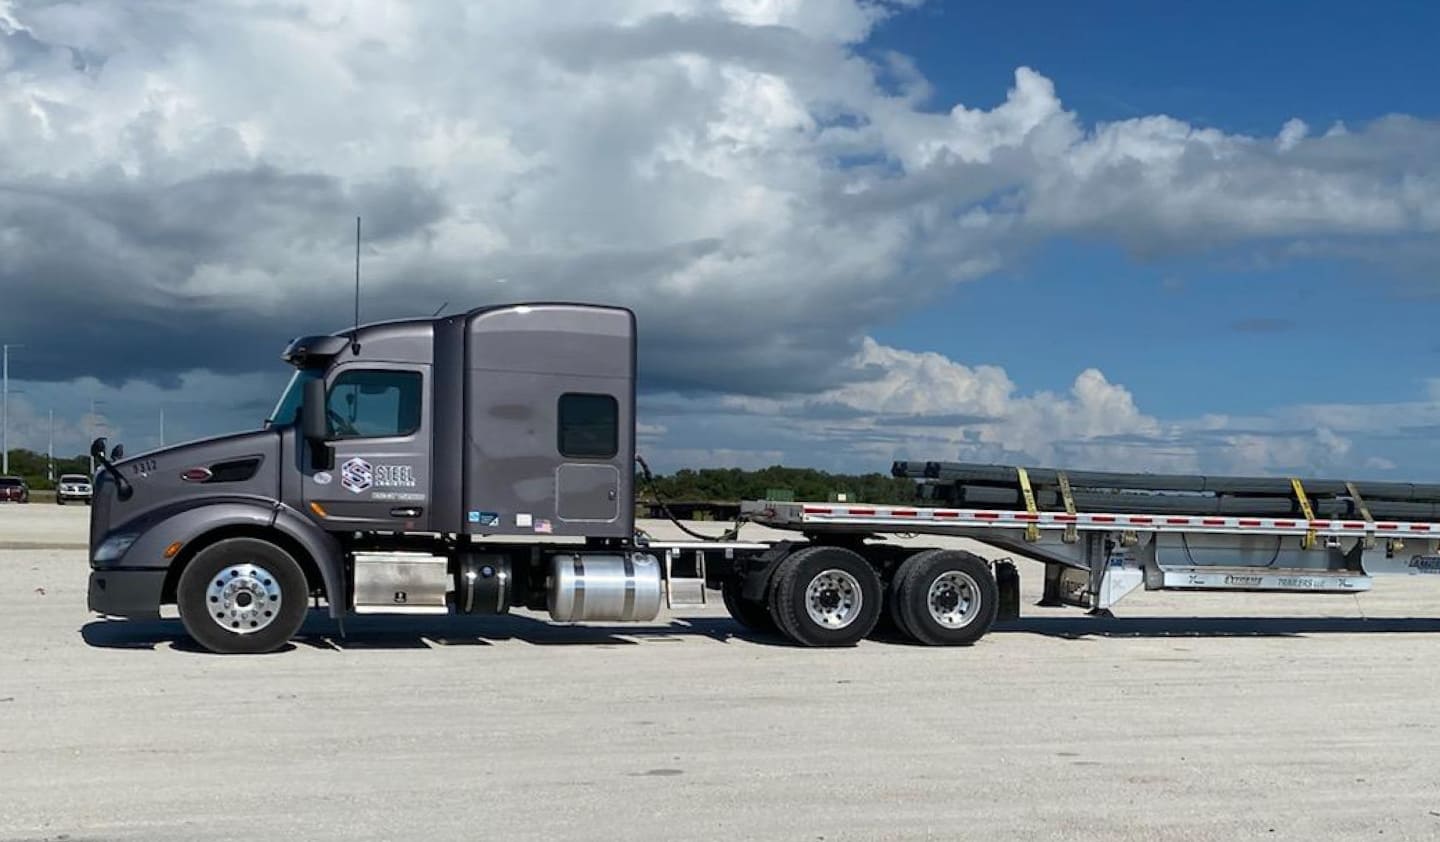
483, 461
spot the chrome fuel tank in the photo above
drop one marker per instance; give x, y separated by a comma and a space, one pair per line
604, 586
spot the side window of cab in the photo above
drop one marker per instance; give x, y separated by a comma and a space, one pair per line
374, 403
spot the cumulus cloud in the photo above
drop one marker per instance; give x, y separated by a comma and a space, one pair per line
907, 405
182, 180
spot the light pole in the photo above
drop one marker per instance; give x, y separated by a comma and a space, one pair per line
50, 451
5, 412
93, 427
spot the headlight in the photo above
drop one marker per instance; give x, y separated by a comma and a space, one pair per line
114, 546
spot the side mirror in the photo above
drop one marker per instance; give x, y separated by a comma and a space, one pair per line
123, 489
314, 426
118, 453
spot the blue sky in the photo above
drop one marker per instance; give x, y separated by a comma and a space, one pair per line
1141, 236
1231, 332
1240, 66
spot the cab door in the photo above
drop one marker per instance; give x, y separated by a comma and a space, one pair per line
378, 423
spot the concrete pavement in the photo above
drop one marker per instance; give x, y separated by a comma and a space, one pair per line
1270, 716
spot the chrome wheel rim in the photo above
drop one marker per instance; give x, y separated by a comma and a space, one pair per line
954, 599
833, 599
243, 598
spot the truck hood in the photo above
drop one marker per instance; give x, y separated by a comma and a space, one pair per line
236, 465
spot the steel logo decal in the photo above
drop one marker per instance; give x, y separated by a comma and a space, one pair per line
357, 475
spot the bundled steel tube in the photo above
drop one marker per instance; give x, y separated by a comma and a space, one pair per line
1005, 476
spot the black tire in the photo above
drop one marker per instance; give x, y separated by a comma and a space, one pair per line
279, 571
893, 601
788, 596
754, 616
896, 622
912, 596
59, 502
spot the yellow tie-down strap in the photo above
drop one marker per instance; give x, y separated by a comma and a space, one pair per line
1032, 531
1364, 513
1072, 532
1308, 542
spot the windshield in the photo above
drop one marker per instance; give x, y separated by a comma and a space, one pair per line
69, 478
289, 404
9, 481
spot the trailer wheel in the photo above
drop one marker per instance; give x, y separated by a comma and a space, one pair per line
242, 596
946, 597
754, 616
826, 596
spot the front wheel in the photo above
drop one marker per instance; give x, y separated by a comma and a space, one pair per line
826, 596
946, 597
242, 596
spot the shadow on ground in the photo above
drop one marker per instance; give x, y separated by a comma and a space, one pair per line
321, 632
1095, 626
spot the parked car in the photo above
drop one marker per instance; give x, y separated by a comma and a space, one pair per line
14, 490
73, 487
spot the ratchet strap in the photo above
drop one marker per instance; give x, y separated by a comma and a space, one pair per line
1072, 533
1364, 510
1032, 530
1308, 542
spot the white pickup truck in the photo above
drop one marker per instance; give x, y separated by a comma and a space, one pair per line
73, 487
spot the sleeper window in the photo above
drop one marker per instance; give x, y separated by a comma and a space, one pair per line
589, 426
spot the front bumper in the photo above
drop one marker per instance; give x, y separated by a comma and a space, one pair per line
126, 593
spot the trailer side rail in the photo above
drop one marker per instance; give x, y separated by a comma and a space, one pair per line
786, 515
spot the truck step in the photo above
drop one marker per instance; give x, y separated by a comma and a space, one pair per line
684, 578
686, 593
1264, 579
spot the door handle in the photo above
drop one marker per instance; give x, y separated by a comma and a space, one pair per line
406, 512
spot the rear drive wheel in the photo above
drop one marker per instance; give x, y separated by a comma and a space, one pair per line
242, 596
752, 615
946, 597
826, 596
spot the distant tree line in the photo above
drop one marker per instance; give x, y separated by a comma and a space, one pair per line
708, 485
31, 466
729, 485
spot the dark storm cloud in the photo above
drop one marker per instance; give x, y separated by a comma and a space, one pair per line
95, 275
